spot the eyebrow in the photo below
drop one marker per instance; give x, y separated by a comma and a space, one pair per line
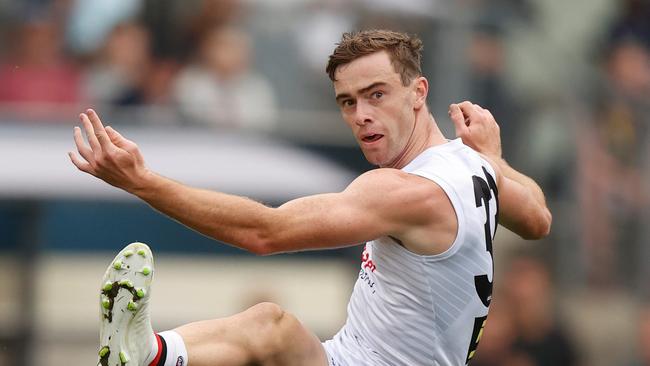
362, 90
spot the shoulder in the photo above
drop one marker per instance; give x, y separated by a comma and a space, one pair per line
392, 180
410, 196
379, 177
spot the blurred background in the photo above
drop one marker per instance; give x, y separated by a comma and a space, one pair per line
232, 95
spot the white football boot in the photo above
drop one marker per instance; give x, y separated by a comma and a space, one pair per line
126, 337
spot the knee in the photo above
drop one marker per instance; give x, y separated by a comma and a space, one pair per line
267, 312
274, 328
271, 320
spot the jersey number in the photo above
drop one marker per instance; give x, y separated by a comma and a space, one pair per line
484, 191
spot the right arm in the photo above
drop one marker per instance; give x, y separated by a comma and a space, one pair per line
522, 206
379, 203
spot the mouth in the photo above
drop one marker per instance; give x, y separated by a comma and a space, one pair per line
372, 138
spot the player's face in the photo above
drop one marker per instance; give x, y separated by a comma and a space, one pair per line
377, 107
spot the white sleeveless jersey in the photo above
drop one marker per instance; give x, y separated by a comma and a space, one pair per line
409, 309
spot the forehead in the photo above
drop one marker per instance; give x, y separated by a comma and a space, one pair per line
365, 71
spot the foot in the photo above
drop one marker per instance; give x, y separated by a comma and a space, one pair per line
126, 337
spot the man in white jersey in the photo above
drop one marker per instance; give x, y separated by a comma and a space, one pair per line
427, 217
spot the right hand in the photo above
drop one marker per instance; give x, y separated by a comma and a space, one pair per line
477, 128
108, 155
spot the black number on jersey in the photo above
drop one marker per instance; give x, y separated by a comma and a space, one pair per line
484, 191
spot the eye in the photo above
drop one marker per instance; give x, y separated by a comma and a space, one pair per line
377, 95
347, 103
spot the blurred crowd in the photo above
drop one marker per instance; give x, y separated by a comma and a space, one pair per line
614, 152
568, 83
193, 55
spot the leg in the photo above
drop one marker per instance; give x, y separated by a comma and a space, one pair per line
262, 335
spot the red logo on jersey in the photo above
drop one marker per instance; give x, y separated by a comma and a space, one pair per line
366, 262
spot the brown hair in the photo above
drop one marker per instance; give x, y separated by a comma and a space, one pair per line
405, 51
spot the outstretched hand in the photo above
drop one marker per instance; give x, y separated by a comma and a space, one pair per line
108, 155
477, 128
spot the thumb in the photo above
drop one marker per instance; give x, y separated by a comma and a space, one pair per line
125, 144
458, 119
119, 140
114, 135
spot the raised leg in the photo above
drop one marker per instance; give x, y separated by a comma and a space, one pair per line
262, 335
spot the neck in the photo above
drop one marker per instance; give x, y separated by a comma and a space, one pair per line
424, 135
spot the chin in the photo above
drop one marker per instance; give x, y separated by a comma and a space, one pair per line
371, 159
375, 161
374, 157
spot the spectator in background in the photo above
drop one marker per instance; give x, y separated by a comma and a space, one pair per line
127, 76
539, 340
37, 70
124, 62
91, 21
176, 26
212, 14
633, 21
219, 87
614, 189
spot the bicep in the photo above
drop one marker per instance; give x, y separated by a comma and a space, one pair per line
378, 203
327, 221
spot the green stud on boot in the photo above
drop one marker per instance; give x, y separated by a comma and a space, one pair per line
126, 283
106, 303
104, 351
108, 286
117, 264
141, 252
128, 253
132, 306
123, 357
146, 271
140, 292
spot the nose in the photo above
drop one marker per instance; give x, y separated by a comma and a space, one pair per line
363, 114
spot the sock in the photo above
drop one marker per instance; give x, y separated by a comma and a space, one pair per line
170, 350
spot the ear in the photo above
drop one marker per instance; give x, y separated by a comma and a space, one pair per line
421, 89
